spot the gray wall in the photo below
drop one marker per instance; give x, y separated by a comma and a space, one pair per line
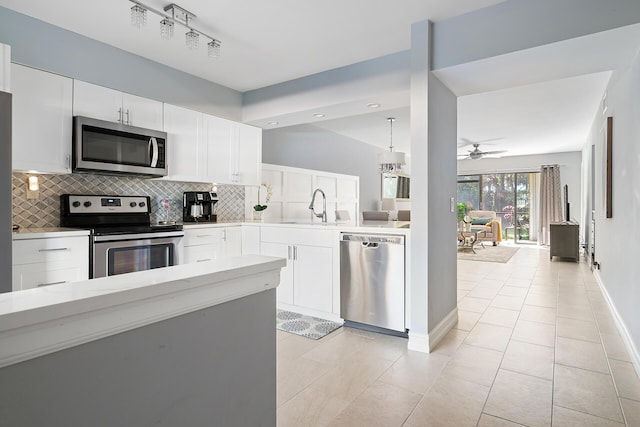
616, 238
185, 371
50, 48
309, 147
5, 192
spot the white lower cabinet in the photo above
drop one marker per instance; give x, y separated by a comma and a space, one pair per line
49, 261
308, 279
211, 243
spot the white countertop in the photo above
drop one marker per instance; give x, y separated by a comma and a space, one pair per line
39, 321
42, 233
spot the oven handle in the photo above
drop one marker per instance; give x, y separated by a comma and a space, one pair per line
137, 236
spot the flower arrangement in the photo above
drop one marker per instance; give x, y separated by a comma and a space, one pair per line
260, 207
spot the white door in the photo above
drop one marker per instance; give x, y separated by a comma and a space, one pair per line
97, 102
285, 289
218, 139
142, 112
313, 278
187, 156
233, 241
248, 164
42, 121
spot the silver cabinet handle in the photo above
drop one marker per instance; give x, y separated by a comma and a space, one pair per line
128, 118
119, 115
224, 235
203, 260
53, 250
295, 253
204, 235
289, 252
52, 283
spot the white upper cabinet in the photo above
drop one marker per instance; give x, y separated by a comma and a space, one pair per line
42, 121
205, 148
107, 104
246, 160
187, 148
219, 134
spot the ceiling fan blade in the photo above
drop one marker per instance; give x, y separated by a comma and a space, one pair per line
485, 153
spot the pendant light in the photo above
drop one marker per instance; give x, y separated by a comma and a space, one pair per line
391, 161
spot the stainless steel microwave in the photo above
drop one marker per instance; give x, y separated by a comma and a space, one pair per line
117, 149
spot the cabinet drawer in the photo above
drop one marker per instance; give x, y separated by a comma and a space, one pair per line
297, 236
51, 250
203, 236
41, 274
200, 253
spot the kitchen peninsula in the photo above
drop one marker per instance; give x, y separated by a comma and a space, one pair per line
189, 344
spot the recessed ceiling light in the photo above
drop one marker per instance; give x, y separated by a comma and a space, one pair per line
373, 105
318, 115
272, 123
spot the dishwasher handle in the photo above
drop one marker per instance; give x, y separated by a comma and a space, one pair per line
372, 239
370, 244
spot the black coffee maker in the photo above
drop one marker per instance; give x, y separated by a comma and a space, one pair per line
198, 206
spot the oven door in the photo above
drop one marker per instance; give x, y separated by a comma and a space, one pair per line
118, 254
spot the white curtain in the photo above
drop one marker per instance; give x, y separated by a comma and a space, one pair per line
550, 204
534, 205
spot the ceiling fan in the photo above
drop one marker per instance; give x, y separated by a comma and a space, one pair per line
476, 153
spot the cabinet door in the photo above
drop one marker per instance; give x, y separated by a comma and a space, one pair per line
97, 102
218, 140
233, 241
187, 153
313, 277
142, 112
42, 121
285, 289
247, 157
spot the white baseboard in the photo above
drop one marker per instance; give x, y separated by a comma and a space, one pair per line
622, 329
426, 343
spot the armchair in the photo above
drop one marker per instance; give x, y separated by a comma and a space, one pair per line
489, 222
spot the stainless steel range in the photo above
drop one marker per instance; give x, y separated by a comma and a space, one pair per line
123, 240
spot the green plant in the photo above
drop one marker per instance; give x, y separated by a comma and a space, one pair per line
260, 207
462, 211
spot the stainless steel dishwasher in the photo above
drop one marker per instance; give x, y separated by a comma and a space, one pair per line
372, 282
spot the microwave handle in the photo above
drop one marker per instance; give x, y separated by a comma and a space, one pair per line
153, 143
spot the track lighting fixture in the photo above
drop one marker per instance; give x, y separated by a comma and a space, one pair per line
171, 15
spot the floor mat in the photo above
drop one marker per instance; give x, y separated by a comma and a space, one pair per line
488, 253
306, 326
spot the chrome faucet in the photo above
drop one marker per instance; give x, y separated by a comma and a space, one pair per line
322, 215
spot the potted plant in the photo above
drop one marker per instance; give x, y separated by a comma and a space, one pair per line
259, 208
464, 221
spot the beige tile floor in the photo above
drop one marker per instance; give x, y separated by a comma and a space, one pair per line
535, 345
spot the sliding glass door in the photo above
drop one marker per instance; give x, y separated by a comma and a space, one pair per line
513, 196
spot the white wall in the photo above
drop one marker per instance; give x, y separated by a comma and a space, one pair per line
570, 172
616, 238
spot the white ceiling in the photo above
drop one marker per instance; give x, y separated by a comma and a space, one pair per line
539, 100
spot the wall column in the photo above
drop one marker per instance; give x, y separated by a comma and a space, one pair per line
433, 271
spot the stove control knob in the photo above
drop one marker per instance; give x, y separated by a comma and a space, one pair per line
133, 204
142, 204
87, 204
75, 204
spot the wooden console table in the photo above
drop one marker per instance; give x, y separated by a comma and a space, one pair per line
564, 240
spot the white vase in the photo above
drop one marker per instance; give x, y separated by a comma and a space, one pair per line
467, 226
257, 215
